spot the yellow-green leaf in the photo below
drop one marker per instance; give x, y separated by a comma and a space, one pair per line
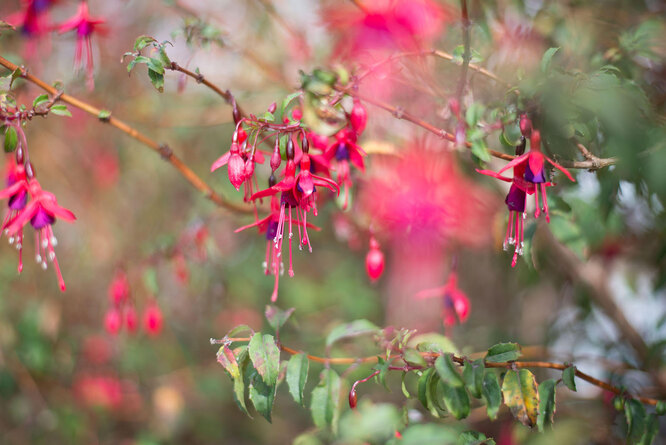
521, 395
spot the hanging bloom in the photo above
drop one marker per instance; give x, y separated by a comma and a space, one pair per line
358, 118
84, 25
241, 162
374, 261
41, 213
119, 290
33, 19
345, 150
152, 319
535, 171
455, 303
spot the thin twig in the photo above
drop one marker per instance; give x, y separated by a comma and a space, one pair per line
162, 149
466, 53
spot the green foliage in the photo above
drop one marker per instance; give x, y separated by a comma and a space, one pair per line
520, 392
297, 376
350, 330
568, 377
325, 402
11, 139
503, 352
546, 404
265, 357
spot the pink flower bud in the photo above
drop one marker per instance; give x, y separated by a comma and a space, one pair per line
272, 107
249, 168
525, 125
112, 321
276, 159
152, 319
353, 398
131, 321
374, 261
236, 170
119, 288
359, 117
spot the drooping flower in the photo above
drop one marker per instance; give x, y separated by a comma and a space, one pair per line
534, 166
374, 261
85, 25
113, 321
17, 200
33, 19
41, 212
241, 161
152, 319
344, 151
455, 304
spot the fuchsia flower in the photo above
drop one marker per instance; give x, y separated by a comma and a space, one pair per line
241, 162
152, 319
529, 176
374, 261
345, 150
85, 25
41, 213
455, 303
33, 19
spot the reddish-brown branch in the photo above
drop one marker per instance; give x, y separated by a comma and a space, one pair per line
431, 356
162, 149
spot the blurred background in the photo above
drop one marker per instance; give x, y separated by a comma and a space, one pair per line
589, 288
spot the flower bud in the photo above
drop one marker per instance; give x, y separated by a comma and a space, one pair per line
236, 170
359, 117
249, 168
291, 152
374, 261
276, 159
305, 145
152, 319
272, 107
112, 321
525, 125
353, 398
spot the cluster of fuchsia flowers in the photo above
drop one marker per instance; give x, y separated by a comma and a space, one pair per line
308, 162
122, 311
29, 203
35, 23
529, 178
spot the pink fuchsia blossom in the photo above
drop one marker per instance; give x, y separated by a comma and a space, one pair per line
84, 25
455, 304
152, 319
41, 212
374, 261
33, 19
344, 151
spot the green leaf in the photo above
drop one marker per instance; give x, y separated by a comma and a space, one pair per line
473, 377
43, 98
238, 329
456, 401
60, 110
473, 114
325, 403
520, 395
265, 356
287, 100
370, 423
422, 387
546, 404
491, 394
104, 115
277, 317
157, 80
164, 58
297, 376
636, 421
267, 116
262, 396
458, 53
11, 139
661, 408
403, 386
433, 342
413, 357
156, 65
547, 58
448, 372
351, 329
228, 361
142, 41
474, 438
480, 150
568, 376
503, 352
383, 367
651, 430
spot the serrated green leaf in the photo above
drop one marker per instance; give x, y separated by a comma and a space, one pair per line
43, 98
568, 376
157, 80
351, 329
547, 58
164, 58
473, 377
546, 404
297, 376
370, 423
520, 392
276, 317
325, 403
11, 139
239, 383
265, 357
456, 400
447, 371
142, 41
262, 396
503, 352
491, 394
60, 110
636, 420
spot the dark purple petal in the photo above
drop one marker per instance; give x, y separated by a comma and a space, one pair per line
515, 200
342, 152
18, 200
42, 218
288, 199
537, 178
271, 231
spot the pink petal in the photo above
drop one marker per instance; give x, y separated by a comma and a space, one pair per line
516, 161
560, 168
494, 175
222, 160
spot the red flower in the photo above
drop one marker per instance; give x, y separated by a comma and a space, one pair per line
113, 321
119, 288
374, 261
345, 150
152, 319
455, 303
84, 25
241, 162
34, 18
41, 213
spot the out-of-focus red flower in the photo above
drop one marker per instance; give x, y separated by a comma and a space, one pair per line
454, 301
152, 319
98, 391
423, 196
85, 25
131, 321
374, 261
96, 350
119, 288
33, 19
113, 321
